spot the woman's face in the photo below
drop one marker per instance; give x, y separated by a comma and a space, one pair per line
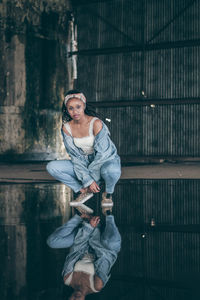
76, 108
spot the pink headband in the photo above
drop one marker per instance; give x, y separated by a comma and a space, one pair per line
78, 96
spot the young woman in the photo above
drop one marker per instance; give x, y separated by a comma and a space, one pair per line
93, 154
92, 252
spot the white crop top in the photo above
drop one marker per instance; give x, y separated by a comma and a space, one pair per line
85, 265
86, 143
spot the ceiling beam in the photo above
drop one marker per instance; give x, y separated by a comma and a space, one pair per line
137, 48
145, 101
177, 15
87, 2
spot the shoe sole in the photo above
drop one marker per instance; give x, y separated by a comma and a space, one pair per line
75, 203
107, 205
85, 208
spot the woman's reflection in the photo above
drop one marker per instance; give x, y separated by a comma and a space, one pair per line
92, 252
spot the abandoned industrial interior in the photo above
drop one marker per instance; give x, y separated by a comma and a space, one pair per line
138, 64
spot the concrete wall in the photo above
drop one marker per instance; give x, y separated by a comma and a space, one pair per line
35, 73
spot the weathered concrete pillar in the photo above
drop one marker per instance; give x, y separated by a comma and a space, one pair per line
35, 73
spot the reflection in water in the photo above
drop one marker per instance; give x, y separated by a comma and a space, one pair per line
28, 213
92, 254
155, 262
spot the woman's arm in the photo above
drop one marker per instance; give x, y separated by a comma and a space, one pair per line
97, 127
104, 150
65, 130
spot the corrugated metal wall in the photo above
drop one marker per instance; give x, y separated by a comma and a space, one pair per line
152, 52
132, 52
163, 130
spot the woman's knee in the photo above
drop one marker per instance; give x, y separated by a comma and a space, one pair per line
51, 242
60, 166
112, 245
55, 242
51, 167
111, 171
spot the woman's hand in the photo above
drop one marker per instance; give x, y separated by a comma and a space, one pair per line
94, 188
94, 221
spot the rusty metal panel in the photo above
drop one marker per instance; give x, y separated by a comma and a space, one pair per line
172, 73
103, 25
170, 130
116, 77
166, 73
171, 20
108, 24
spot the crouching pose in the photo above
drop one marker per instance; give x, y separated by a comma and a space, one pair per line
92, 253
93, 155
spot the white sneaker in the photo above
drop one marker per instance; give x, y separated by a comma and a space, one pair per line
81, 199
106, 202
84, 209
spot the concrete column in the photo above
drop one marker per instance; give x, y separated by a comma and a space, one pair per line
35, 74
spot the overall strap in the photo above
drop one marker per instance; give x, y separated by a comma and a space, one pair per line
67, 126
91, 126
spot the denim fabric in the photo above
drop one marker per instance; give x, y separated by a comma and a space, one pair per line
83, 169
63, 170
87, 168
82, 237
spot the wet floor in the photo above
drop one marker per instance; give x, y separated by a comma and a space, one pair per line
28, 213
159, 222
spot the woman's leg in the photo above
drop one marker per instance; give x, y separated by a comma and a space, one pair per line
106, 246
111, 172
63, 237
63, 171
111, 238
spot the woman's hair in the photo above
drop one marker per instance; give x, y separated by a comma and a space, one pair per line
89, 110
